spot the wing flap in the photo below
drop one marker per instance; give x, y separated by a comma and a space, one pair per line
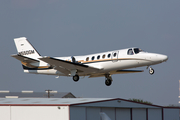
97, 75
24, 59
129, 71
126, 71
68, 65
115, 72
64, 71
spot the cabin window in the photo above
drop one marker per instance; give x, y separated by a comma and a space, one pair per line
109, 55
92, 58
130, 52
115, 54
103, 56
87, 59
98, 56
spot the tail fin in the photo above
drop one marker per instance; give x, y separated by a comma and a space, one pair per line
29, 56
25, 48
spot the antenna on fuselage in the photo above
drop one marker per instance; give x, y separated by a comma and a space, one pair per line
73, 59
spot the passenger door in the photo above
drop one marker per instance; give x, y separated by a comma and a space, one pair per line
114, 56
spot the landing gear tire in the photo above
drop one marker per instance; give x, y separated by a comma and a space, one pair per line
151, 71
76, 78
108, 82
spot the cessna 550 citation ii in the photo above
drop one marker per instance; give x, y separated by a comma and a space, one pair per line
93, 65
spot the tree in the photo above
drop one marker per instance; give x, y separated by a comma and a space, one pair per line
140, 101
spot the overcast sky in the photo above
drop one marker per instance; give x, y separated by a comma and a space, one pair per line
67, 28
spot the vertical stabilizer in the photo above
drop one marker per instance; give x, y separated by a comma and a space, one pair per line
25, 48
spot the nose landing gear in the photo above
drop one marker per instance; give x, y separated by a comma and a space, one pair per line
151, 70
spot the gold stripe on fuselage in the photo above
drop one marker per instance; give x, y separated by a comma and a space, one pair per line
104, 60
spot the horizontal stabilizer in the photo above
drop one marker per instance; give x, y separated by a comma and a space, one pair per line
24, 59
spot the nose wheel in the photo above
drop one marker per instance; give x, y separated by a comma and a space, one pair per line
151, 71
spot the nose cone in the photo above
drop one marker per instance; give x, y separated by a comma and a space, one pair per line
162, 58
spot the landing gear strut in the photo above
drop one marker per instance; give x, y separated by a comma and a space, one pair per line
108, 80
76, 78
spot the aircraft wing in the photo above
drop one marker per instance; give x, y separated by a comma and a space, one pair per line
68, 66
24, 59
115, 72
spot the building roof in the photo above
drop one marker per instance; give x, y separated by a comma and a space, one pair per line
31, 94
49, 101
86, 102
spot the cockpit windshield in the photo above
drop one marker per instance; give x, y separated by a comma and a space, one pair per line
134, 51
137, 50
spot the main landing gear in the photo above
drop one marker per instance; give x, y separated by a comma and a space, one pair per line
108, 80
151, 70
76, 78
74, 74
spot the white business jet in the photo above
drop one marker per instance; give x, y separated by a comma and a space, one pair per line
93, 65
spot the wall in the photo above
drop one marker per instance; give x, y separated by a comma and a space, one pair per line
171, 114
139, 114
77, 113
34, 113
5, 112
85, 113
155, 114
123, 113
93, 113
